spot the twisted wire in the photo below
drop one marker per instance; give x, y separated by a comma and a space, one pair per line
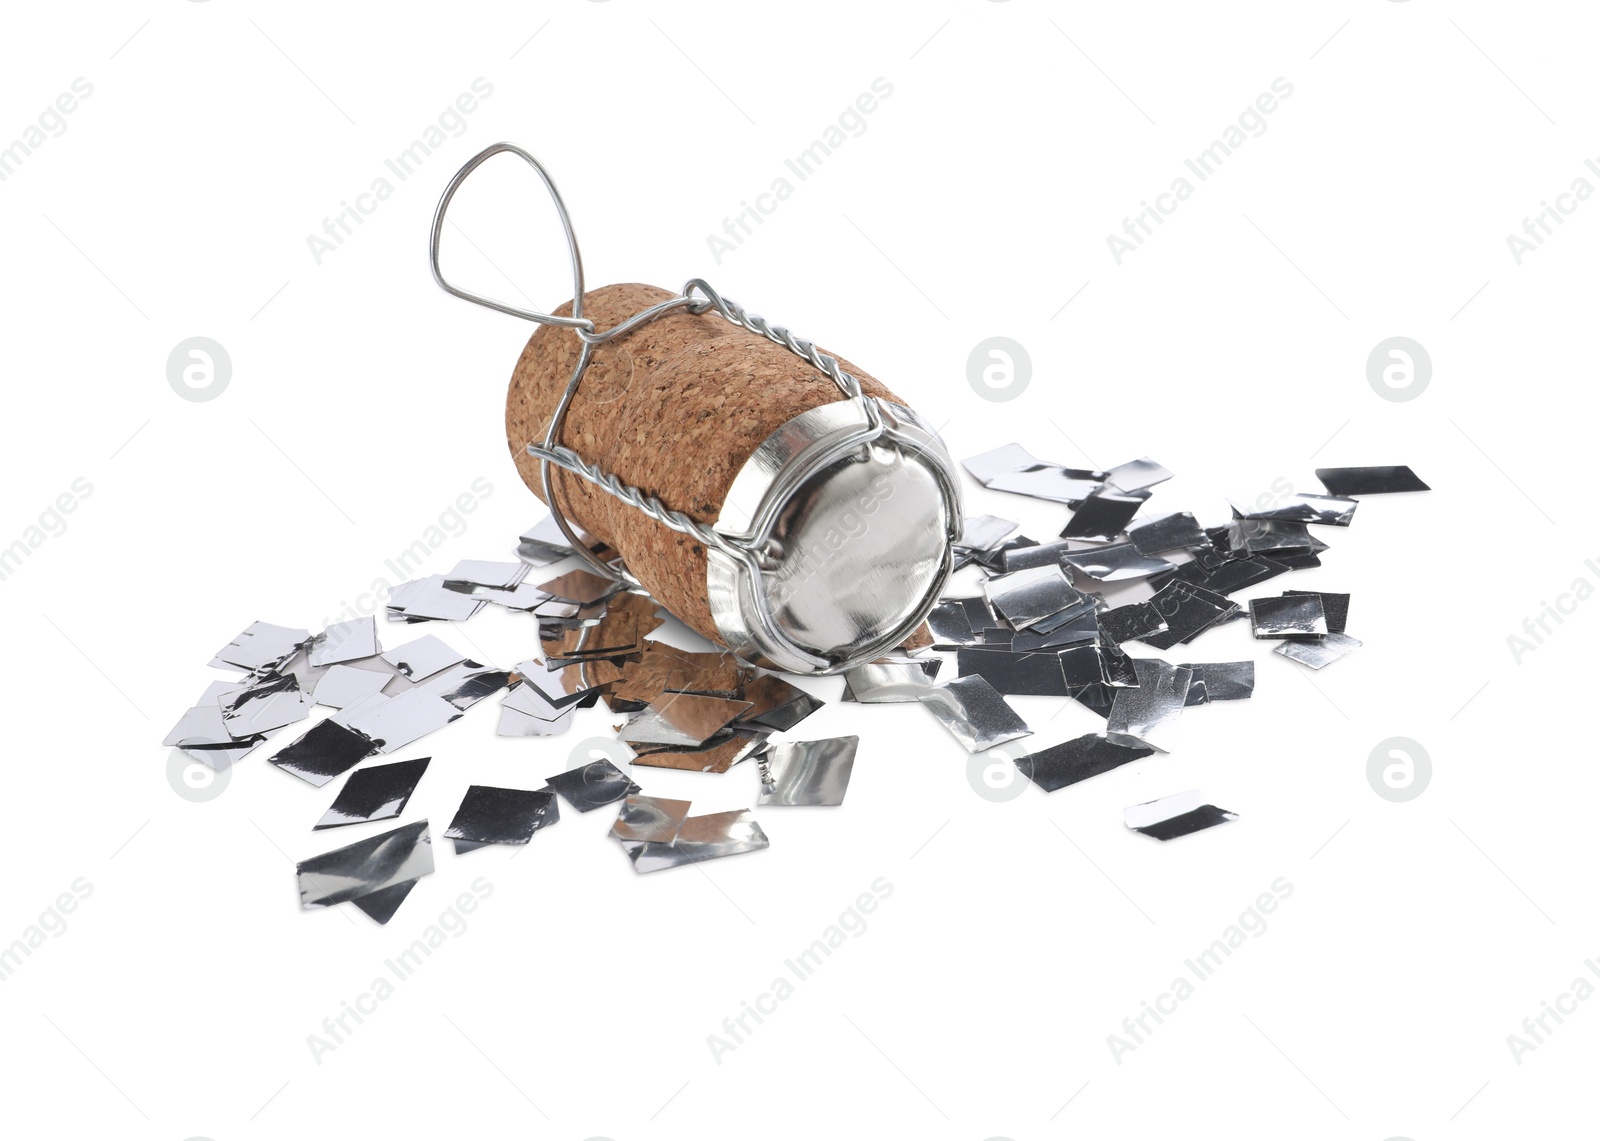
733, 311
569, 460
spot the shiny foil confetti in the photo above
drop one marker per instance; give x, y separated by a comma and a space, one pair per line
1350, 481
345, 641
682, 719
1141, 715
1077, 760
1296, 616
373, 865
649, 819
262, 646
974, 712
491, 815
593, 785
325, 751
891, 679
807, 773
1319, 652
698, 839
1076, 621
1177, 815
377, 792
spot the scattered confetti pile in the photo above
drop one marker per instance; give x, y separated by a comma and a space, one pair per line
1041, 626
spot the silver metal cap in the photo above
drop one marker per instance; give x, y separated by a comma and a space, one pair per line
848, 524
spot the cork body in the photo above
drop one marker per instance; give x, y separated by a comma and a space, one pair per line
675, 407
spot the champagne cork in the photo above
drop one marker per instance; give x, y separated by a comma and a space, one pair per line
772, 496
676, 407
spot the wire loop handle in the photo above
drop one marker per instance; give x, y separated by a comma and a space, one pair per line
577, 320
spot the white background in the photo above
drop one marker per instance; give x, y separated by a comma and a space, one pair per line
1232, 347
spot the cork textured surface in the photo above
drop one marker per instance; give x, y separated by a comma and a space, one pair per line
675, 407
